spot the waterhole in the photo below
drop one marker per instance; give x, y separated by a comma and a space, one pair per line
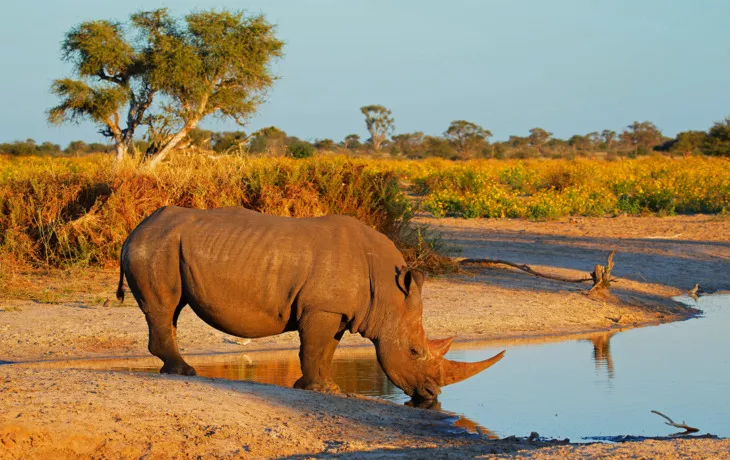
599, 385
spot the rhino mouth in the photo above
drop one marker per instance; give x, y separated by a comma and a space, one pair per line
428, 391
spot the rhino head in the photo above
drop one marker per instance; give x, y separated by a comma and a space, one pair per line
411, 361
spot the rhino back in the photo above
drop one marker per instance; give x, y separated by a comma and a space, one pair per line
254, 275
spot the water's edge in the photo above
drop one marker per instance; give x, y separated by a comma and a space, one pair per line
543, 373
459, 343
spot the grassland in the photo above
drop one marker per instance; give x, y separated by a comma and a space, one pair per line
60, 212
550, 189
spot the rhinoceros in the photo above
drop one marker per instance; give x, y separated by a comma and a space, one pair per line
254, 275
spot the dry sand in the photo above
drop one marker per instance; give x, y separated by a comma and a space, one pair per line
47, 411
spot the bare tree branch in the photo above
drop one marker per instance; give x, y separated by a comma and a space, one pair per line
112, 78
524, 268
687, 429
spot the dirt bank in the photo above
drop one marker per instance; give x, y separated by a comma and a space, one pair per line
93, 413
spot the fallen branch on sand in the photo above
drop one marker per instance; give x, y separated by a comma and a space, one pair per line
601, 275
687, 429
524, 268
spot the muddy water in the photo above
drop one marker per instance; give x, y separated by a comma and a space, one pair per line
599, 385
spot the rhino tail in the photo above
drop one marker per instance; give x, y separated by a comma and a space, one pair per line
120, 288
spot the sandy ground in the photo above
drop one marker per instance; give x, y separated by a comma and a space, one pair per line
677, 251
102, 414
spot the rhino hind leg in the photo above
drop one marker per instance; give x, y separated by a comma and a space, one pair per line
162, 323
319, 333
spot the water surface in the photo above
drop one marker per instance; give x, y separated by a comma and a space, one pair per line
602, 385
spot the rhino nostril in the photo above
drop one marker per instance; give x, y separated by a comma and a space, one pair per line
428, 392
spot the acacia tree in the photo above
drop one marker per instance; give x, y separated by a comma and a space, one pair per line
325, 144
718, 139
210, 63
466, 136
216, 63
271, 140
608, 136
688, 142
578, 142
408, 144
351, 141
594, 139
112, 75
584, 143
644, 134
379, 122
538, 137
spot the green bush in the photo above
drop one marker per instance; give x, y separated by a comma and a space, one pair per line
301, 149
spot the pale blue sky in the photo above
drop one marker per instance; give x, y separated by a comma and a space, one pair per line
569, 66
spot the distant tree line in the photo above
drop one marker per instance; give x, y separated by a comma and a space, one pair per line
461, 140
464, 140
30, 147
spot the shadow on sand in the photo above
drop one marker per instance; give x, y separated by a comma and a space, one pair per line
670, 262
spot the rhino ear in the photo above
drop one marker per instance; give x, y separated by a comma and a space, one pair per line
418, 277
408, 277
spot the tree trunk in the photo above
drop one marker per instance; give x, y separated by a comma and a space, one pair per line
120, 152
176, 139
602, 280
376, 143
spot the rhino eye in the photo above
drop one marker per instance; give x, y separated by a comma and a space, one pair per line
414, 352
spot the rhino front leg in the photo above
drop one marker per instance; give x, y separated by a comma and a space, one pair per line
319, 333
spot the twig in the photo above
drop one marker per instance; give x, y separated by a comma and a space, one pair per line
663, 237
687, 429
524, 268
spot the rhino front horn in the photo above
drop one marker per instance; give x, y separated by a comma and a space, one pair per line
454, 371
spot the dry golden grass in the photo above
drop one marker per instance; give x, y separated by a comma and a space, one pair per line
78, 212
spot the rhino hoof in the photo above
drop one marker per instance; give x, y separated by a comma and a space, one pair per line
322, 386
178, 369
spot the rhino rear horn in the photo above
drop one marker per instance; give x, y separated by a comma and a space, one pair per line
454, 371
440, 347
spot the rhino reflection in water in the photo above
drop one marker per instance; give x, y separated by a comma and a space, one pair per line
252, 275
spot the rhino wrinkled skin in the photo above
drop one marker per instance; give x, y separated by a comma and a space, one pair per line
254, 275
